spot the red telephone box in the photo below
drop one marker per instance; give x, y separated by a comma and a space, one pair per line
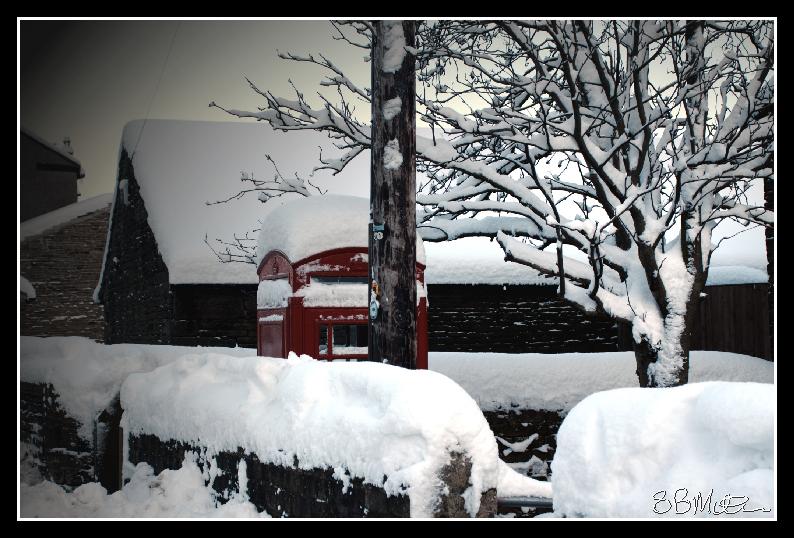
318, 306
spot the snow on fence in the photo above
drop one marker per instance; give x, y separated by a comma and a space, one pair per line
414, 436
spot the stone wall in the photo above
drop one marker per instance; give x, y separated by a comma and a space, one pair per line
63, 265
512, 319
315, 493
214, 315
279, 491
135, 288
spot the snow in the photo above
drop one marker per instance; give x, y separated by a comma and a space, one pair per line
375, 420
338, 295
62, 215
185, 164
88, 375
560, 381
26, 288
391, 108
393, 46
392, 158
636, 452
171, 494
736, 274
273, 293
476, 260
306, 226
513, 484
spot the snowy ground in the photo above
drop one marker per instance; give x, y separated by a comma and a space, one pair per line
171, 494
492, 380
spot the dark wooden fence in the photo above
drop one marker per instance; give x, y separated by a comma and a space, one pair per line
735, 318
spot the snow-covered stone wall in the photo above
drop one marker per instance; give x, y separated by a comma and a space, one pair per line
409, 433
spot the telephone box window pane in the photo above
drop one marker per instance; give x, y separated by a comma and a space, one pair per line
362, 335
350, 340
323, 339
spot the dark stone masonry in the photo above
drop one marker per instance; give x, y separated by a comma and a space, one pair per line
512, 319
63, 265
280, 491
213, 315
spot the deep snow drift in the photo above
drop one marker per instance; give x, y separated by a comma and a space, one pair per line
661, 452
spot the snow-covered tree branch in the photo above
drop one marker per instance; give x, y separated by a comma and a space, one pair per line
602, 152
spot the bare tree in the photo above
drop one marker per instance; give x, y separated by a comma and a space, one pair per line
604, 153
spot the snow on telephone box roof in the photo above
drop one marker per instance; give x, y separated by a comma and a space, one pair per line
307, 226
182, 165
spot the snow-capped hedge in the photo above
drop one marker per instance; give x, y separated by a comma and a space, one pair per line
87, 375
560, 381
370, 419
673, 452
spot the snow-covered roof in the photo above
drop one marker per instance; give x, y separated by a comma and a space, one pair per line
306, 226
182, 165
477, 260
60, 149
62, 215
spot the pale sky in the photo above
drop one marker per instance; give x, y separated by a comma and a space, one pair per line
86, 79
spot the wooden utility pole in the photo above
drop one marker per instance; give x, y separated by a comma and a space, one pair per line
392, 238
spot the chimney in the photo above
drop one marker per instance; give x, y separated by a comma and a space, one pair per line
67, 144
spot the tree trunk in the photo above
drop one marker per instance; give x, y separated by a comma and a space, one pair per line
392, 242
645, 354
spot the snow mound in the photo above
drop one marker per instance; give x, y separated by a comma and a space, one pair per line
560, 381
88, 375
374, 420
650, 452
171, 494
303, 227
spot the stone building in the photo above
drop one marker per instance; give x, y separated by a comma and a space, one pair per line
48, 175
162, 283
